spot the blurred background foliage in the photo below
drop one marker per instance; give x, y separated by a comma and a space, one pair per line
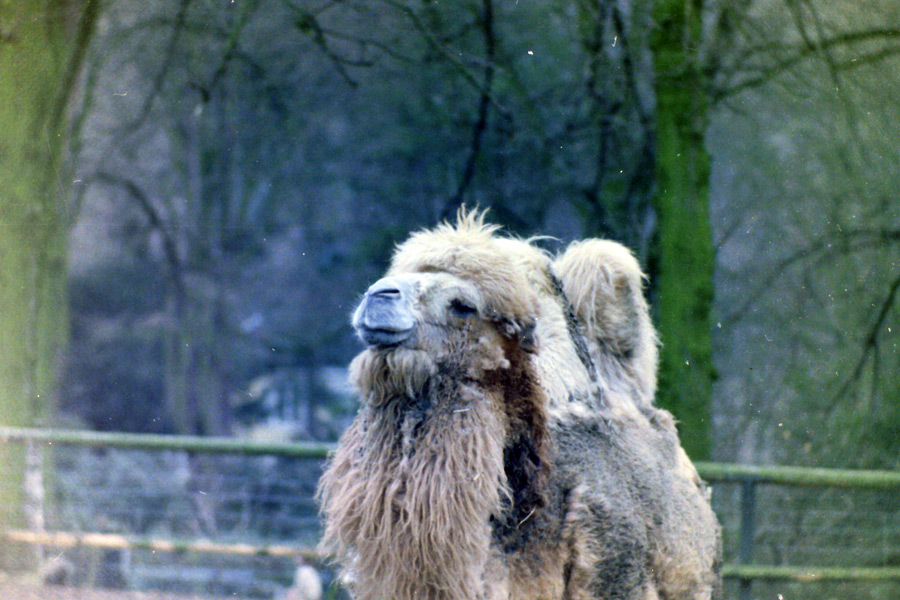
196, 191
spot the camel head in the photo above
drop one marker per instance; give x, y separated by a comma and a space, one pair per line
421, 322
454, 301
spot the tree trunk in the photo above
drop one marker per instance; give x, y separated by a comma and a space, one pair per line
684, 253
40, 56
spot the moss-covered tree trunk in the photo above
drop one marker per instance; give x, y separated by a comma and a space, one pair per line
684, 250
41, 47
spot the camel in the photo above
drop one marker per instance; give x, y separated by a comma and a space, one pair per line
507, 446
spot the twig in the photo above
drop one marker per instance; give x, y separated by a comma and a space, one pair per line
870, 345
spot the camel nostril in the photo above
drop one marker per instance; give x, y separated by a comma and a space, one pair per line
386, 292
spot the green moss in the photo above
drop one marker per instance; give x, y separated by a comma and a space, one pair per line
33, 319
684, 251
32, 232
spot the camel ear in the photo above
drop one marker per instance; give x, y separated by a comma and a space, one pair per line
520, 332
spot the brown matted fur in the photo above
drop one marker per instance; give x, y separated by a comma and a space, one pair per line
490, 461
414, 522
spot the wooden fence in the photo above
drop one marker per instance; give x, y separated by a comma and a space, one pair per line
749, 478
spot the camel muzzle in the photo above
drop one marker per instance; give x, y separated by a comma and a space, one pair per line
385, 318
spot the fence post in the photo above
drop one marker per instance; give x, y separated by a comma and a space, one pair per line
34, 496
748, 529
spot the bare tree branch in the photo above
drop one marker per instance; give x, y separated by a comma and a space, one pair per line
157, 221
814, 44
83, 34
487, 27
868, 58
840, 39
636, 198
870, 347
826, 245
604, 111
162, 73
307, 24
445, 53
234, 36
126, 130
797, 53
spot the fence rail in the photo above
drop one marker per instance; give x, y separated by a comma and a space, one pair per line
800, 476
808, 574
748, 477
62, 539
716, 472
145, 441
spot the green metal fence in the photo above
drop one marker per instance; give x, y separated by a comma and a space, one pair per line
750, 477
741, 567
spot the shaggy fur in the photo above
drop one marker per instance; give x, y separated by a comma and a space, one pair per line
470, 251
409, 514
566, 372
604, 283
507, 447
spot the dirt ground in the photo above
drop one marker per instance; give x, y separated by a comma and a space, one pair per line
15, 591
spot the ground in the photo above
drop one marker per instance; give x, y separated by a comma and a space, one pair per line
15, 591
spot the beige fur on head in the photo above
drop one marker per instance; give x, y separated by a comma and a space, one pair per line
604, 283
470, 250
378, 377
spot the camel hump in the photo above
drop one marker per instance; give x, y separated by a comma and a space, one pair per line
604, 284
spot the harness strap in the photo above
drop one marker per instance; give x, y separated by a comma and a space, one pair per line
575, 329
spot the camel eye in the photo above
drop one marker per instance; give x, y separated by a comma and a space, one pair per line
462, 308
